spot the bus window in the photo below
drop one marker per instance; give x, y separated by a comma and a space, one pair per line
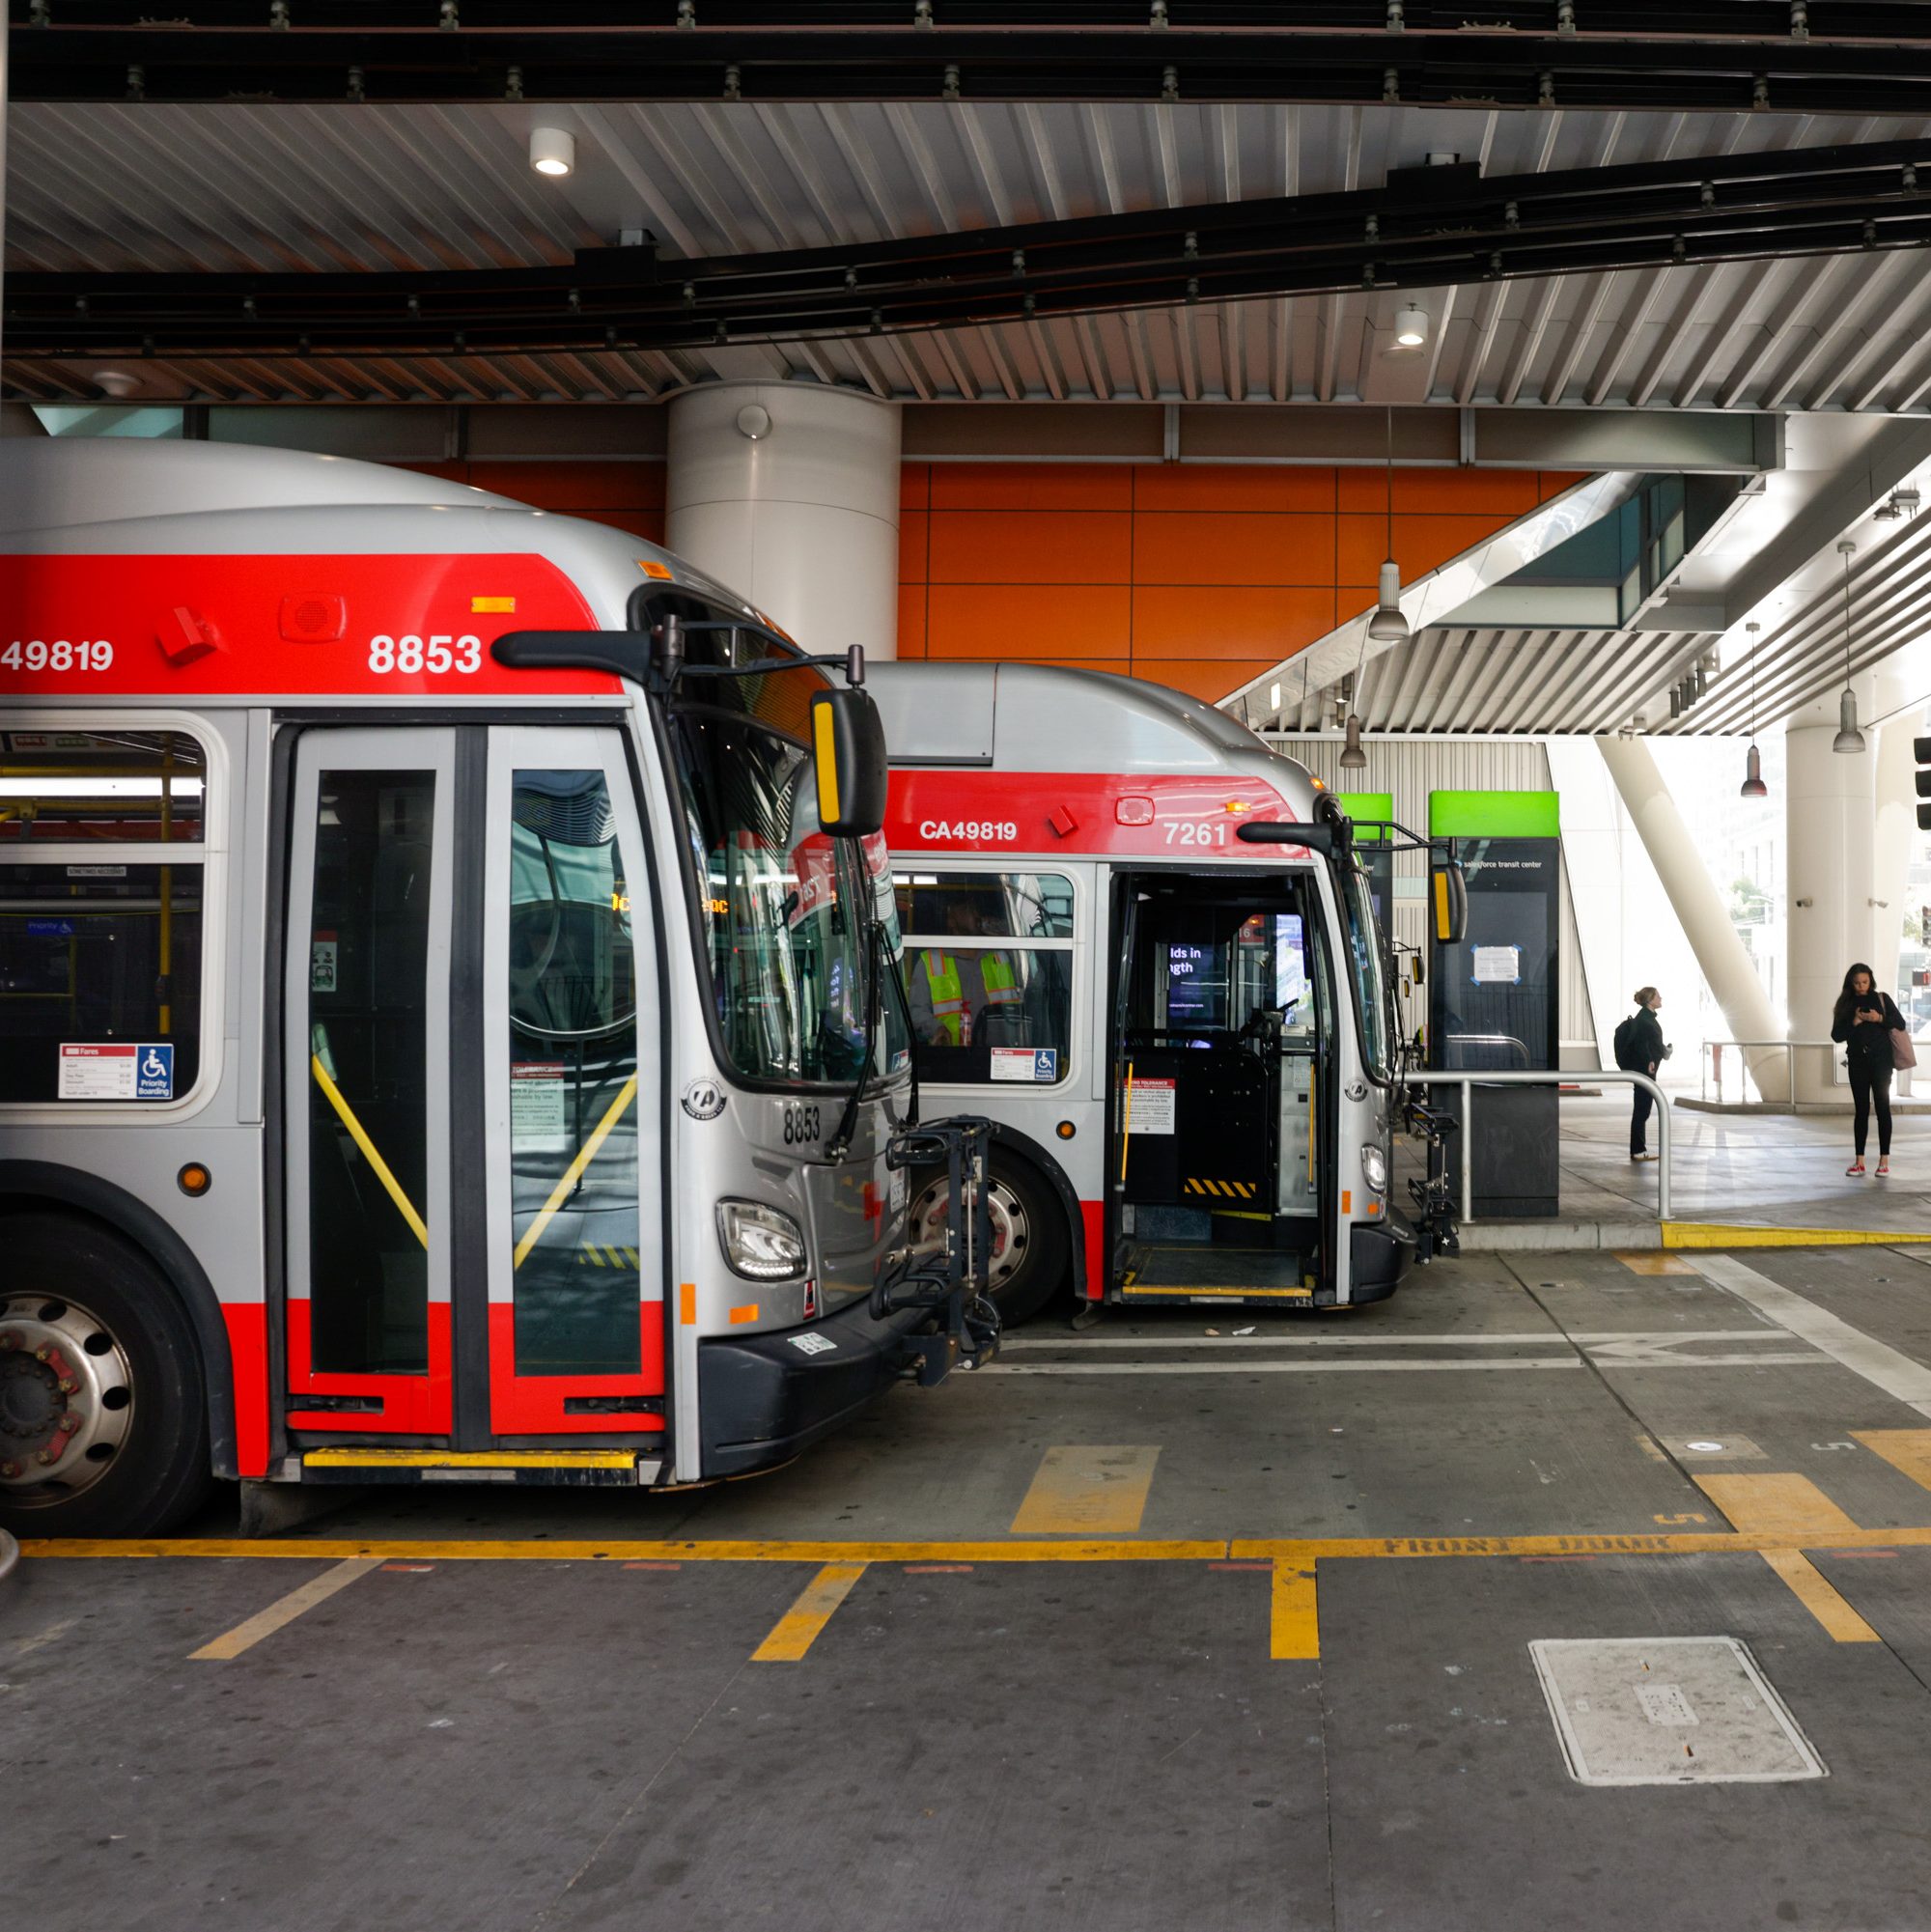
99, 920
368, 1035
784, 916
1364, 959
572, 1080
983, 1010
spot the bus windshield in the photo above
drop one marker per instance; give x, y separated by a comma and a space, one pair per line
1365, 956
785, 910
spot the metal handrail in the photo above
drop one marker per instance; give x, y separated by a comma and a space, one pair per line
1555, 1078
1789, 1062
1452, 1040
9, 1554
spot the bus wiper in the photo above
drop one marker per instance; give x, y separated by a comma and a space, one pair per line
835, 1148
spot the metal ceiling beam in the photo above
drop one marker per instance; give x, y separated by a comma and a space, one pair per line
1519, 53
1422, 229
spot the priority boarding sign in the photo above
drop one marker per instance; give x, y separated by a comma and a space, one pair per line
116, 1070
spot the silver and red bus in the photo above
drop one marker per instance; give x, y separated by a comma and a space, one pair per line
1142, 943
448, 1018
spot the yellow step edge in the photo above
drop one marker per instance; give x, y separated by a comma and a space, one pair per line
1221, 1293
460, 1459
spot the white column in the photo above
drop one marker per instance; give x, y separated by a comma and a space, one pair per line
1721, 956
789, 492
1897, 837
1829, 811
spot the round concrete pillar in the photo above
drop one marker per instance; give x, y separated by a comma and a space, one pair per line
789, 492
1829, 806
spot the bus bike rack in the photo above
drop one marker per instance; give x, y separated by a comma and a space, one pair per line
949, 1282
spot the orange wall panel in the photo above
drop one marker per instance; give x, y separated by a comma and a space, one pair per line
1030, 620
1026, 547
579, 488
1032, 485
1274, 621
911, 620
1201, 547
1225, 487
915, 534
1232, 567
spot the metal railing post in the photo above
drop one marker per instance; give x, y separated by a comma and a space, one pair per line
1468, 1154
1467, 1081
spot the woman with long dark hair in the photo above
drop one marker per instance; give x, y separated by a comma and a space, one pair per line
1861, 1022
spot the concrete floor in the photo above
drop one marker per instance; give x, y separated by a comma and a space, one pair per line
1772, 1170
1155, 1625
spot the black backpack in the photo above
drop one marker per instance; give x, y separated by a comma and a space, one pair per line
1628, 1053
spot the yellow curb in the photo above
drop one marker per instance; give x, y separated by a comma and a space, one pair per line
1719, 1234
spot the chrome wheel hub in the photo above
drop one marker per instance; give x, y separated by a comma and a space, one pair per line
1011, 1232
67, 1398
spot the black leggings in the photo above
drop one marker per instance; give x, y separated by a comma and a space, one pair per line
1870, 1084
1639, 1119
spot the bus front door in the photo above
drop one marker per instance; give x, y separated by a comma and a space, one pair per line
473, 1186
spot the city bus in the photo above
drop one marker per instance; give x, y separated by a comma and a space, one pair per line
449, 1022
1180, 1026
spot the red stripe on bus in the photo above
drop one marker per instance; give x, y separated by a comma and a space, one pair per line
532, 1405
1092, 1218
181, 627
248, 1361
945, 810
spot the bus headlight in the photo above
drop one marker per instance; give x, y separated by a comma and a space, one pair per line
1375, 1169
760, 1243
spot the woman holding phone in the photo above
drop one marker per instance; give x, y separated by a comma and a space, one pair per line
1864, 1022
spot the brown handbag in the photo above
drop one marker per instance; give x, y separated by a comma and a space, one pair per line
1902, 1053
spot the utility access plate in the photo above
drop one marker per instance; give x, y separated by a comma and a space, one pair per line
1668, 1710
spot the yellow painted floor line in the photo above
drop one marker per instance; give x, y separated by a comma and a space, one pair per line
1083, 1550
1808, 1585
1087, 1490
796, 1631
1651, 1261
285, 1610
1086, 1550
1779, 1505
1294, 1624
1906, 1449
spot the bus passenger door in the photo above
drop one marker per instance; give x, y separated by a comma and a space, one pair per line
572, 1094
366, 1103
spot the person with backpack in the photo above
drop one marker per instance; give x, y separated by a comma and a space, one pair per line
1639, 1050
1866, 1024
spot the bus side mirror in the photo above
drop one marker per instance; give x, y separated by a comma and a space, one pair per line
848, 744
1451, 903
1320, 840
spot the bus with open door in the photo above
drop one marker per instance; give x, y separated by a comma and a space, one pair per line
448, 1023
1140, 941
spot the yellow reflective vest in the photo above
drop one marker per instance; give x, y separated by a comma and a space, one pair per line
947, 985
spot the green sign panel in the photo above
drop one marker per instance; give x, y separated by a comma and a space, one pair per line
1493, 815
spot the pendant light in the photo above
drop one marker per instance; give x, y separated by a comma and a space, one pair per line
1388, 626
1353, 757
1754, 786
1849, 738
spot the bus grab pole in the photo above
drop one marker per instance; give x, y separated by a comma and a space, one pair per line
1467, 1081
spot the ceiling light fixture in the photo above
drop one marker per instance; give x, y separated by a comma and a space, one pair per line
1849, 738
1411, 326
1754, 786
552, 151
1388, 626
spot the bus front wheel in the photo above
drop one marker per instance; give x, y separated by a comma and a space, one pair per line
1029, 1243
103, 1411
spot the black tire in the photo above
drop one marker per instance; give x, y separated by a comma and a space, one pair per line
1031, 1245
146, 1467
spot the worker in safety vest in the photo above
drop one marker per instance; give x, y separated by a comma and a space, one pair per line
954, 987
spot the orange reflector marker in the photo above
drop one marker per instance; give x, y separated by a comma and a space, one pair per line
747, 1313
651, 568
194, 1179
1347, 1200
687, 1304
492, 606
